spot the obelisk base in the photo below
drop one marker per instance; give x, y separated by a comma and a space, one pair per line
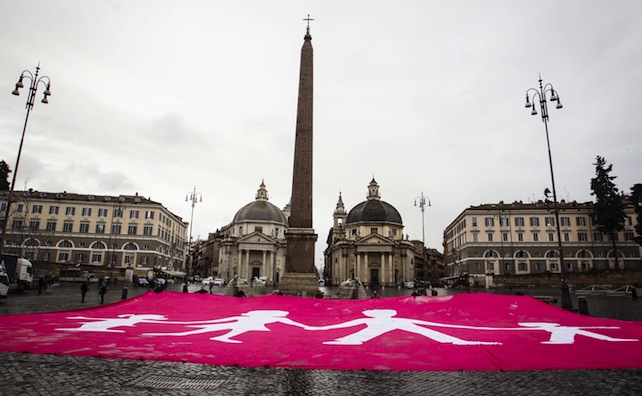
298, 284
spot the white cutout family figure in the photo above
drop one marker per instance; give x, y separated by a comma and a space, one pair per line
377, 323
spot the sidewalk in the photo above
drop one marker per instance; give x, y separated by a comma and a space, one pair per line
60, 375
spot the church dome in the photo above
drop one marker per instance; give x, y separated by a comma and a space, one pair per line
374, 209
260, 210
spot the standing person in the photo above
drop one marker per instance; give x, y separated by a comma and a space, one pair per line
102, 292
83, 291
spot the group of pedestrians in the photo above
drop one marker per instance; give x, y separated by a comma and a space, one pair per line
102, 290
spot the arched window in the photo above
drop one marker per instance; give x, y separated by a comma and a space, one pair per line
552, 254
490, 253
522, 254
584, 254
610, 255
98, 245
130, 246
31, 242
65, 243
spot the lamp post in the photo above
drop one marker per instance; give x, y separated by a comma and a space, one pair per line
421, 202
195, 197
33, 88
541, 95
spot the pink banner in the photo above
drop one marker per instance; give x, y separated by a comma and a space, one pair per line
462, 332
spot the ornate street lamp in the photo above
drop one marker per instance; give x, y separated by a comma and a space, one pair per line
421, 201
33, 88
195, 197
541, 95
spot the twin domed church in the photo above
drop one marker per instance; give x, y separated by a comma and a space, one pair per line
365, 243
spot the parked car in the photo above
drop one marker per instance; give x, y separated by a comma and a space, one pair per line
207, 281
218, 282
141, 282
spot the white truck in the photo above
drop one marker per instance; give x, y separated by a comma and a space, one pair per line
4, 284
18, 270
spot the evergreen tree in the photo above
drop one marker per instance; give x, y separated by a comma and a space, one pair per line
4, 176
608, 211
636, 197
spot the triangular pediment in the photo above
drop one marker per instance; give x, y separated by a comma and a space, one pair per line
374, 239
256, 237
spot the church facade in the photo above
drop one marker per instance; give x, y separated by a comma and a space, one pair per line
368, 244
253, 244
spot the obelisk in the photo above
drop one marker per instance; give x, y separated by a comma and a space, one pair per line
300, 276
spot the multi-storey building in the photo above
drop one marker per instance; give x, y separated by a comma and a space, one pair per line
100, 230
500, 239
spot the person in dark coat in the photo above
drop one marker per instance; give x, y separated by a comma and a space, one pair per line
102, 291
83, 291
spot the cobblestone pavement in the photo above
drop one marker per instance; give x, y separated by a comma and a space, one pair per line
31, 374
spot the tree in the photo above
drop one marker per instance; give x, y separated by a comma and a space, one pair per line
608, 211
636, 197
4, 176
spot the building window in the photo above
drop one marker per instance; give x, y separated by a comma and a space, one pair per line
65, 244
100, 228
147, 230
489, 236
53, 210
84, 228
535, 236
34, 225
534, 221
86, 212
582, 236
70, 211
597, 236
554, 267
503, 221
520, 237
131, 230
68, 226
133, 214
21, 208
567, 237
373, 230
258, 229
628, 221
63, 256
149, 214
565, 221
115, 229
130, 246
474, 221
490, 267
17, 224
475, 237
519, 222
522, 267
628, 236
580, 221
36, 209
118, 212
102, 212
489, 222
551, 237
504, 237
96, 258
613, 237
51, 226
549, 221
80, 257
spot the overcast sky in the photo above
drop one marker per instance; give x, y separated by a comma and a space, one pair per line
158, 97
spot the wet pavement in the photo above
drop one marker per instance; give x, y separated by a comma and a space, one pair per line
30, 374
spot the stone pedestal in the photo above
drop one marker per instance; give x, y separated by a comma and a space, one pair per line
299, 284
